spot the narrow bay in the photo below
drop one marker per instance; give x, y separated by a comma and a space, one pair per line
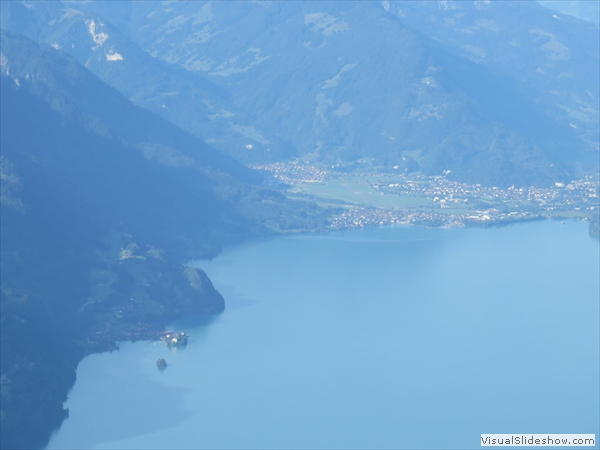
383, 338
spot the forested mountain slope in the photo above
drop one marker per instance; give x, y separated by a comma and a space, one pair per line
497, 93
192, 101
102, 202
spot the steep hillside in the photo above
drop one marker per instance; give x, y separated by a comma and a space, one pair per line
191, 101
102, 201
498, 93
551, 60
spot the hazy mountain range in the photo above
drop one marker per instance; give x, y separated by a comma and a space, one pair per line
496, 92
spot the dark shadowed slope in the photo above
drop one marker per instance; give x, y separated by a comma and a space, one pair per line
101, 203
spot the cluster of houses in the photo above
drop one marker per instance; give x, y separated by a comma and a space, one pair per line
174, 339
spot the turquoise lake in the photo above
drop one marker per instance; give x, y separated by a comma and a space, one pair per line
398, 337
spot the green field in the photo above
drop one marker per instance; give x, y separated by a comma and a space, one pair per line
358, 190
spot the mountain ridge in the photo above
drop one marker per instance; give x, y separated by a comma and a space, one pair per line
201, 107
406, 89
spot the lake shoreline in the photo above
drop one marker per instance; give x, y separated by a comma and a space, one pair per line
234, 340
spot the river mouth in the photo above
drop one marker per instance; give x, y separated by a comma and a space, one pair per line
383, 338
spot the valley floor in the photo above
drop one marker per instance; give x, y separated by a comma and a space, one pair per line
372, 196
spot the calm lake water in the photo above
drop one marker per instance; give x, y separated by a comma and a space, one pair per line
383, 338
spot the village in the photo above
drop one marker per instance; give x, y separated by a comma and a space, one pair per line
434, 201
